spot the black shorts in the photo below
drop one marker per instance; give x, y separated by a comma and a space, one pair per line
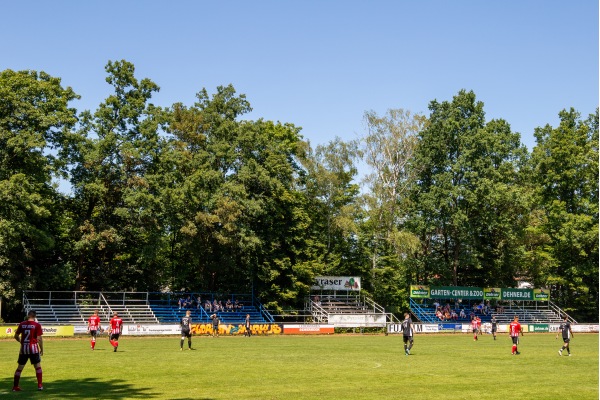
186, 333
475, 330
34, 358
93, 333
515, 339
215, 327
114, 336
407, 338
566, 339
494, 329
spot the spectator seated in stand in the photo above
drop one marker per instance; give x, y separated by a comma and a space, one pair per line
439, 314
462, 314
215, 305
238, 305
181, 302
198, 302
229, 305
454, 315
207, 306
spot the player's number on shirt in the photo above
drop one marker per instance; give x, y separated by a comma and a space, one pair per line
27, 333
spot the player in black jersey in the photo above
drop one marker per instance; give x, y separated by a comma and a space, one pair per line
494, 326
567, 334
186, 329
407, 333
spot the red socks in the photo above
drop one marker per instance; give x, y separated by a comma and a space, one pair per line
514, 348
38, 375
16, 378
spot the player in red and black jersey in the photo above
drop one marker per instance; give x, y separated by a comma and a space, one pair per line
94, 327
514, 330
475, 326
115, 327
29, 335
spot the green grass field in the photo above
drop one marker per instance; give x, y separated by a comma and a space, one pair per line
315, 367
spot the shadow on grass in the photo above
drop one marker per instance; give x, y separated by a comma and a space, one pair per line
80, 389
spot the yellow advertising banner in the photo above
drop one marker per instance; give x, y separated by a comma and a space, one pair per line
7, 331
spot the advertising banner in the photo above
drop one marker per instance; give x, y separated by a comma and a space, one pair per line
419, 292
449, 327
417, 328
541, 294
140, 330
357, 320
336, 283
233, 329
584, 328
461, 292
492, 293
517, 294
49, 330
7, 331
539, 328
307, 329
58, 330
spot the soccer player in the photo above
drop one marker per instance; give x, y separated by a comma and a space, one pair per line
567, 334
248, 331
29, 335
114, 330
494, 326
407, 333
93, 328
186, 329
475, 328
514, 330
215, 324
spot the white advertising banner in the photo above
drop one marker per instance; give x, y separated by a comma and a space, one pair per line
417, 328
357, 320
138, 329
336, 283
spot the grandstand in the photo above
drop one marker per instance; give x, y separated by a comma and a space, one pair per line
528, 313
349, 310
74, 308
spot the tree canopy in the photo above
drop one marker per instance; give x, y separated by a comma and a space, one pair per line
198, 198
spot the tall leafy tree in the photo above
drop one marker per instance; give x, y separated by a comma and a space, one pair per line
332, 196
34, 115
469, 205
389, 149
565, 163
114, 227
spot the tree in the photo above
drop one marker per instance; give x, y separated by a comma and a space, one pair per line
469, 207
115, 234
34, 115
565, 161
389, 150
332, 203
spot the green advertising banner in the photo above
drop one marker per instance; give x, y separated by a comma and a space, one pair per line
541, 294
419, 292
517, 294
539, 328
492, 293
461, 292
477, 293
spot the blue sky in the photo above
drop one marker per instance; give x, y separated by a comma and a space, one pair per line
322, 64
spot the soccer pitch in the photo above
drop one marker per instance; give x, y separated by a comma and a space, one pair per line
310, 367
